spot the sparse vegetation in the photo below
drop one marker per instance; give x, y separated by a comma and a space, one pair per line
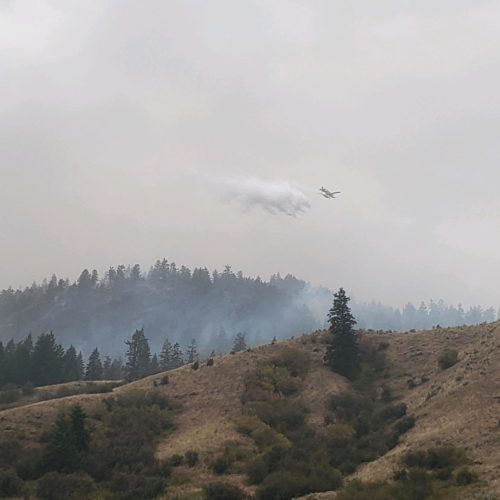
428, 474
447, 359
223, 491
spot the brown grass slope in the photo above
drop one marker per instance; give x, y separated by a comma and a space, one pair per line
459, 405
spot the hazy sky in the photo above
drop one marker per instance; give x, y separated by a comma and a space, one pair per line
120, 121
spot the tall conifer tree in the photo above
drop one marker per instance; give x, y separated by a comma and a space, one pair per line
138, 356
342, 354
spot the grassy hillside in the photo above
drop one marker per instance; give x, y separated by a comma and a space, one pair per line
457, 406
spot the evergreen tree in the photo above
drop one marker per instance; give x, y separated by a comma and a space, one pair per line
80, 366
342, 354
135, 273
106, 368
71, 365
48, 358
192, 352
116, 370
177, 356
3, 378
155, 366
138, 356
166, 355
68, 441
94, 366
79, 428
239, 343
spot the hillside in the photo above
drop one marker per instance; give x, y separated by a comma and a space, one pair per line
456, 406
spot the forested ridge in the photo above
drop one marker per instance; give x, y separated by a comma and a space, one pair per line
181, 304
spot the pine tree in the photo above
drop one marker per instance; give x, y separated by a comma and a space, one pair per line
166, 355
48, 358
239, 343
80, 365
71, 366
106, 368
79, 428
94, 366
342, 353
68, 441
155, 366
138, 356
192, 352
116, 370
177, 356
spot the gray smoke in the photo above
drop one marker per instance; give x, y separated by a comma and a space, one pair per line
276, 197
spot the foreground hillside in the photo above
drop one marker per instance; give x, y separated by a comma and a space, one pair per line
457, 406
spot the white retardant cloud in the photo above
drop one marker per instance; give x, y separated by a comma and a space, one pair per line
277, 197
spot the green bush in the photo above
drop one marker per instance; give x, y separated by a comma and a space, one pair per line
281, 414
10, 483
438, 457
285, 484
404, 424
56, 486
176, 460
28, 389
465, 476
448, 358
390, 412
223, 491
296, 361
137, 486
220, 465
9, 395
191, 457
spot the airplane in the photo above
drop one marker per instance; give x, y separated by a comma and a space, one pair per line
328, 194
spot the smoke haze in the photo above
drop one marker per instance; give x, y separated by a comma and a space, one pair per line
105, 106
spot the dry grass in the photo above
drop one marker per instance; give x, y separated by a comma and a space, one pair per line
459, 405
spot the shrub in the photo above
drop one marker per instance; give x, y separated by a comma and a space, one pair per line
465, 476
295, 361
404, 424
10, 395
191, 457
28, 389
386, 394
390, 412
448, 358
223, 491
281, 414
221, 465
9, 452
438, 457
10, 483
176, 460
340, 435
289, 484
137, 486
56, 486
195, 365
210, 361
165, 380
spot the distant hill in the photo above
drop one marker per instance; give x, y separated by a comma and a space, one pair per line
167, 301
182, 304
